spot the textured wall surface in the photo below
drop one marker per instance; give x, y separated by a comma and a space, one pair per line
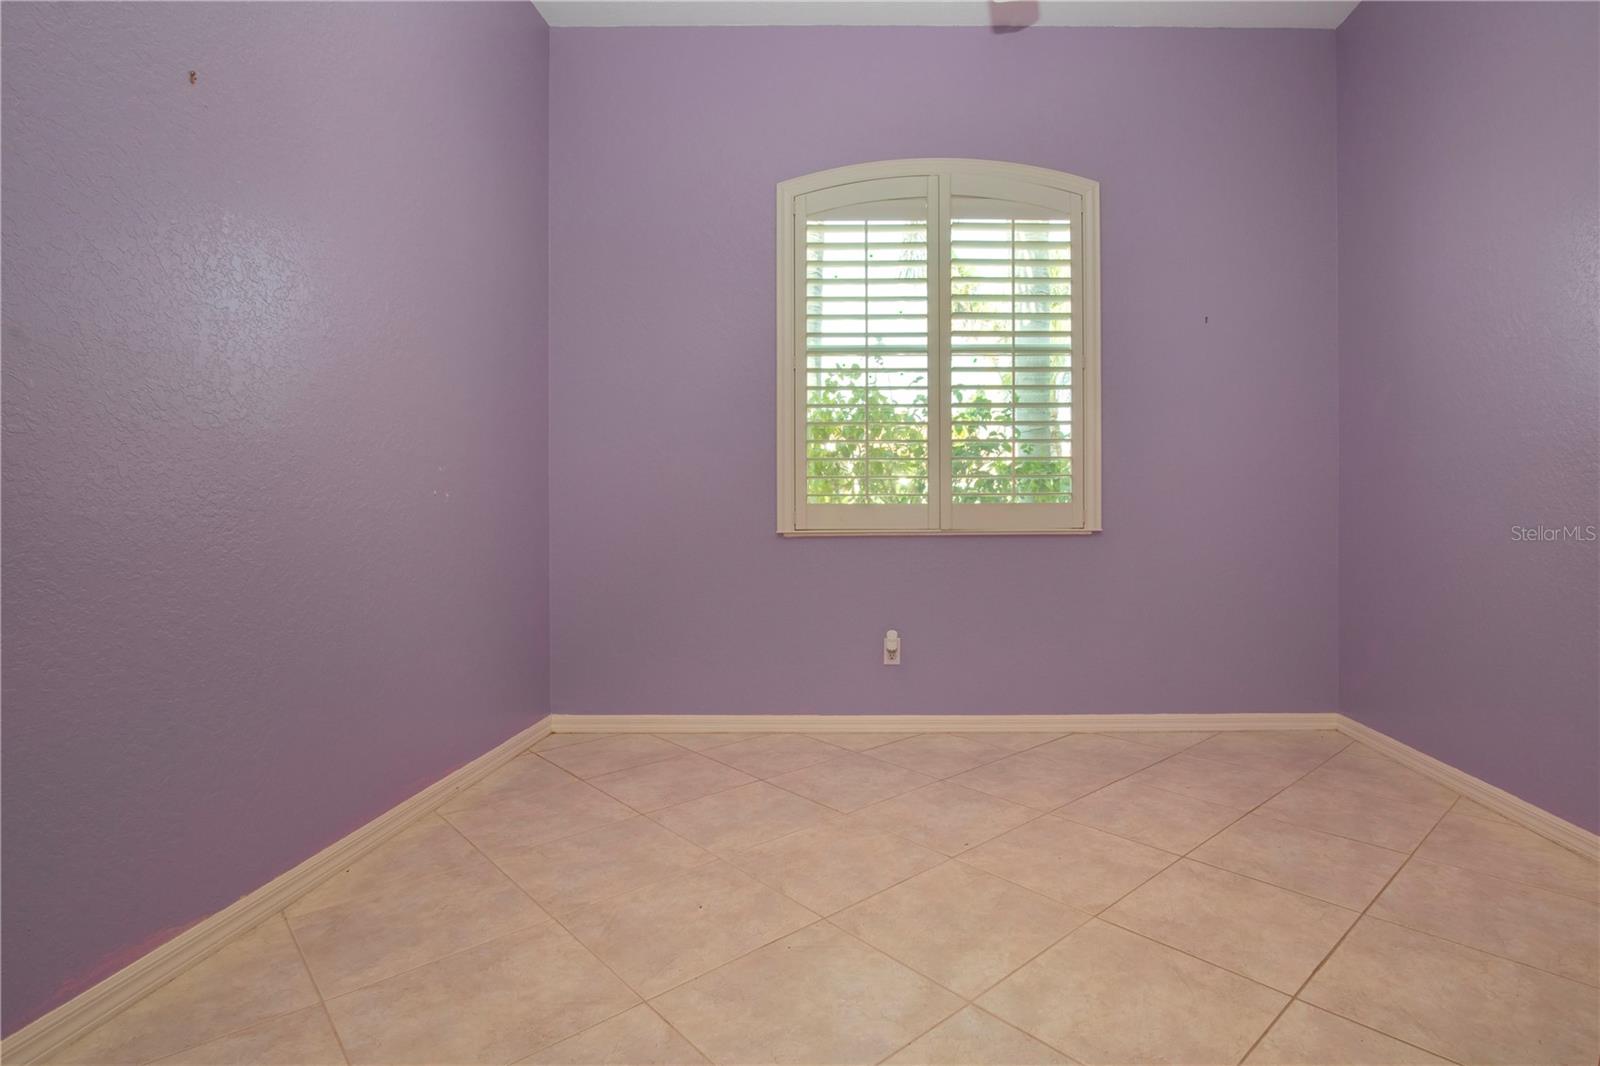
274, 432
1469, 197
1214, 585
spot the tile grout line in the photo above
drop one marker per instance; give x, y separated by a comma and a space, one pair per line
642, 1000
1177, 858
447, 955
1338, 943
1185, 855
283, 915
1017, 1029
334, 1029
1037, 812
1363, 914
277, 1016
1473, 947
1188, 856
825, 919
721, 858
1409, 856
715, 858
1096, 915
322, 1000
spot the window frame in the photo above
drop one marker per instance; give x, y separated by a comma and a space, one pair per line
941, 175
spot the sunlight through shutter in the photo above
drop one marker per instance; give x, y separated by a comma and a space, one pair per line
866, 403
1011, 396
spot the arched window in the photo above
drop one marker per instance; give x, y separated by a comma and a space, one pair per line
938, 350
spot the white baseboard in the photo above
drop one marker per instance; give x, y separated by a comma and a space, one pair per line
1498, 800
933, 723
93, 1006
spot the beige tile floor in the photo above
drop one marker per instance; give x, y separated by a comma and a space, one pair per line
861, 898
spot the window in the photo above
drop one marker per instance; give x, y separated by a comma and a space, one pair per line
938, 350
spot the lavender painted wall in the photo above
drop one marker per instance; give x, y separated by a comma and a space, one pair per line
1469, 194
275, 396
1214, 586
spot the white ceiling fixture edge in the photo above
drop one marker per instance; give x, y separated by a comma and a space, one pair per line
1202, 14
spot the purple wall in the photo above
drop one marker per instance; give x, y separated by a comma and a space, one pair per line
1214, 586
275, 394
1469, 193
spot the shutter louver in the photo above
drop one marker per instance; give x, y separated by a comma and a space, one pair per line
866, 408
1011, 350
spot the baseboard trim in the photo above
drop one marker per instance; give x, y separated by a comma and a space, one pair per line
934, 723
1551, 827
65, 1023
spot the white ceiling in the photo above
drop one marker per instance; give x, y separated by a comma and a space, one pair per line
1241, 14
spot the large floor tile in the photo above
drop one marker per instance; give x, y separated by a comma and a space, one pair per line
818, 996
1532, 925
1268, 934
1151, 816
1301, 750
705, 741
1082, 867
256, 976
1101, 754
945, 817
409, 922
1328, 804
774, 754
669, 781
939, 754
976, 1038
525, 775
610, 754
1332, 869
1360, 768
851, 781
491, 1004
1105, 995
674, 930
1308, 1036
1036, 780
1169, 741
562, 740
860, 741
743, 817
428, 847
636, 1037
1015, 742
828, 868
1509, 851
521, 819
571, 873
962, 927
304, 1038
1215, 781
1455, 1001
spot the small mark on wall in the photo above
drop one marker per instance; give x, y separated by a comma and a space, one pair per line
194, 76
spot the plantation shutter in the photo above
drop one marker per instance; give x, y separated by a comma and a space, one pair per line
1013, 375
864, 403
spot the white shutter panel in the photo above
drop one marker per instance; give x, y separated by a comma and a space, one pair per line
863, 394
1013, 378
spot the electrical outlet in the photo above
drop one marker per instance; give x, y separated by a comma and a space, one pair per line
891, 648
